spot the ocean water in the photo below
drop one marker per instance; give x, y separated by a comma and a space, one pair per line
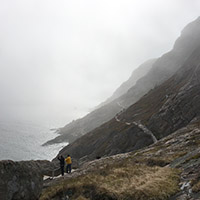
22, 140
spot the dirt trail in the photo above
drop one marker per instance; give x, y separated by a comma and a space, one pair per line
141, 126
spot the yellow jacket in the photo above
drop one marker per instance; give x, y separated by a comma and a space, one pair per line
68, 160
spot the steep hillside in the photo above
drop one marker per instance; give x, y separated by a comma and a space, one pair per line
104, 112
162, 69
165, 109
168, 169
167, 65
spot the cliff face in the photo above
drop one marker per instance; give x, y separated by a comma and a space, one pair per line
166, 65
173, 104
182, 99
165, 109
161, 70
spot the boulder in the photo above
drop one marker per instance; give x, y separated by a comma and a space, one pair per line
47, 167
20, 180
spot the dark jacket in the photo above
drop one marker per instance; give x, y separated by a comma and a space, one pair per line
62, 160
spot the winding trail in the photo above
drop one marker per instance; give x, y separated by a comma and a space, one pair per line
138, 124
146, 130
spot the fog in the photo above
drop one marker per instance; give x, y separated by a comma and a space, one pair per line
59, 59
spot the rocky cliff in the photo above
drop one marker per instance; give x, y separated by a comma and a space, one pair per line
166, 65
161, 70
23, 180
20, 180
165, 109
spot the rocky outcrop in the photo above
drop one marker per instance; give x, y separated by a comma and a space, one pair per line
46, 167
20, 180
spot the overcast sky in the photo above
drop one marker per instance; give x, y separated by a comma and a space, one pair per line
59, 59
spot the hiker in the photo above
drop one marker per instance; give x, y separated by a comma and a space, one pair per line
62, 164
69, 164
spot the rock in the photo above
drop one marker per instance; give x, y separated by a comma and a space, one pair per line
47, 167
20, 180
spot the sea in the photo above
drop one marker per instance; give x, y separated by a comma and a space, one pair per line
22, 140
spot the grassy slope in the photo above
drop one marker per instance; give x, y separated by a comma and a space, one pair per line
151, 173
126, 182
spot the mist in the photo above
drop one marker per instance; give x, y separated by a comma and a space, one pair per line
59, 59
